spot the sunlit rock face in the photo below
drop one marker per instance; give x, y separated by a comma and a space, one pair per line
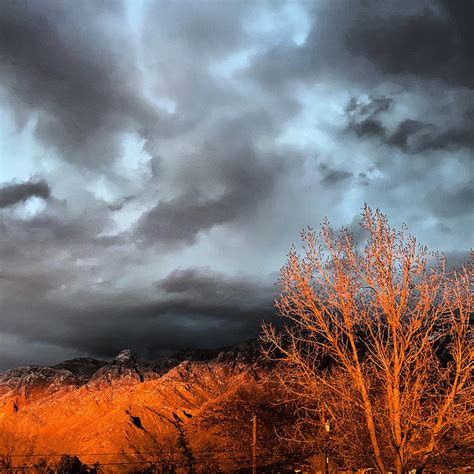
188, 402
30, 383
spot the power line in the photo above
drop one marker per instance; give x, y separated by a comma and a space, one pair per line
146, 453
175, 462
139, 453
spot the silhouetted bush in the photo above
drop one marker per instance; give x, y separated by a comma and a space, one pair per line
73, 465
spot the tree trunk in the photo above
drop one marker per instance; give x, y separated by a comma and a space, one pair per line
398, 465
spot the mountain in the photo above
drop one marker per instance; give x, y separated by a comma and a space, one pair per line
190, 411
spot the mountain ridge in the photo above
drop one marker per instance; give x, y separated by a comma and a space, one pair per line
187, 404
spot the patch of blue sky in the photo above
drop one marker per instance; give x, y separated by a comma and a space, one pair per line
21, 156
135, 11
134, 158
29, 209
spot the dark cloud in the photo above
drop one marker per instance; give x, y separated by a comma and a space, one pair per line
204, 284
363, 115
332, 176
456, 259
370, 42
182, 41
370, 107
432, 42
181, 219
198, 308
357, 231
117, 206
368, 127
56, 250
33, 284
365, 119
58, 59
457, 201
209, 29
450, 139
229, 161
56, 230
14, 193
413, 136
404, 131
179, 134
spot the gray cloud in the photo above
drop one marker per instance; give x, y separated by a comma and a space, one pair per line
14, 193
332, 176
365, 119
228, 161
369, 108
364, 116
117, 206
368, 127
58, 60
183, 145
198, 308
204, 284
180, 220
56, 229
404, 131
456, 201
414, 136
432, 42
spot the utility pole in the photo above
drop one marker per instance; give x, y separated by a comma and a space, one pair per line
327, 426
254, 445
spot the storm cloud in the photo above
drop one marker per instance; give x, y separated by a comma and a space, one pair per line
14, 193
197, 308
411, 136
59, 61
159, 158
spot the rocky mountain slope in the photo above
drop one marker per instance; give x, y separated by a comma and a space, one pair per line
192, 411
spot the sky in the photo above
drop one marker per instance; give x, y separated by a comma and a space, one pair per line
159, 158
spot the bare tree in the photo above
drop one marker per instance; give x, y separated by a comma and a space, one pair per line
376, 340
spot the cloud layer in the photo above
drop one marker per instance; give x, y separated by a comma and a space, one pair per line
159, 158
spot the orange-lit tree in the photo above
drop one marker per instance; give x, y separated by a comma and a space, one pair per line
375, 340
